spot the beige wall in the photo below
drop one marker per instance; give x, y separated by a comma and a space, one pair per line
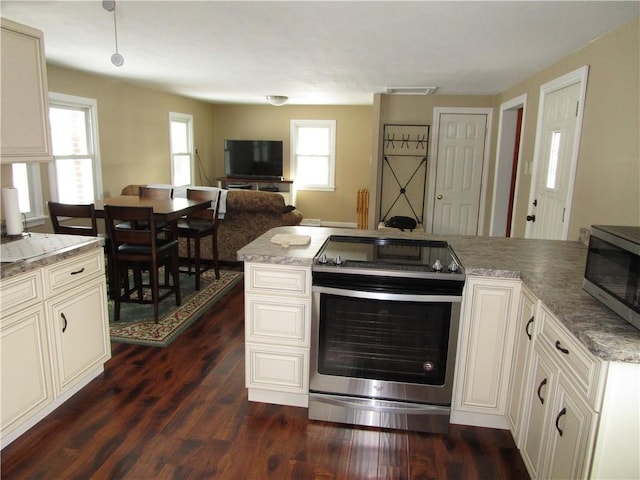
353, 149
134, 126
607, 187
414, 110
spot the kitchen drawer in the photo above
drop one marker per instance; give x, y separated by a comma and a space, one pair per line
577, 362
283, 369
283, 321
20, 291
64, 275
278, 279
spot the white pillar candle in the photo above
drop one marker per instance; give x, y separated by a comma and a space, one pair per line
12, 215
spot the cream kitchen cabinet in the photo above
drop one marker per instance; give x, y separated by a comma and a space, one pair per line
579, 415
54, 338
277, 333
485, 351
24, 133
525, 332
24, 351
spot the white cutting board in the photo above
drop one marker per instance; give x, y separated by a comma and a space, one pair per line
287, 239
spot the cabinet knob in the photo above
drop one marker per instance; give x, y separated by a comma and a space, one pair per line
439, 197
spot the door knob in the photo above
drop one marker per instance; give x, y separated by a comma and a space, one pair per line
531, 218
439, 197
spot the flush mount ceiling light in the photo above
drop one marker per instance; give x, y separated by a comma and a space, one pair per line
277, 100
411, 90
110, 6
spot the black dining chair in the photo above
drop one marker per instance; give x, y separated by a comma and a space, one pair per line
139, 249
156, 193
80, 219
198, 226
73, 219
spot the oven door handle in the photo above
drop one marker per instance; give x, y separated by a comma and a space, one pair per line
388, 296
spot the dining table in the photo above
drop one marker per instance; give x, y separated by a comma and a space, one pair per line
164, 210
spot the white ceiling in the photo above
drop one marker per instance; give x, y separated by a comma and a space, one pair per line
318, 52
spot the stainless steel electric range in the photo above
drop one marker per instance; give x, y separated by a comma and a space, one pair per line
385, 322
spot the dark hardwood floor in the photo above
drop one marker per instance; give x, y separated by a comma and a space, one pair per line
182, 412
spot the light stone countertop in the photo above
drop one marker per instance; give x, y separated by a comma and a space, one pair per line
43, 249
552, 270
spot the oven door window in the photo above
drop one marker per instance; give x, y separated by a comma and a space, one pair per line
383, 340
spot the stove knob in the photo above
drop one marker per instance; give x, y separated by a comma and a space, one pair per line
323, 259
453, 267
437, 266
338, 260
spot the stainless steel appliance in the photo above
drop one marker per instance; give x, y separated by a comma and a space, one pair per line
385, 322
612, 274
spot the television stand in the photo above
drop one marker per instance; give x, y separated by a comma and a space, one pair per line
275, 185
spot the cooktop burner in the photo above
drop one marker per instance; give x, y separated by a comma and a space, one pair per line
388, 256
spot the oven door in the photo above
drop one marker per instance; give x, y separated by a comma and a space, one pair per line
386, 346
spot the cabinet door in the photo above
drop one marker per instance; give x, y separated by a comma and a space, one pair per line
486, 346
522, 350
538, 396
25, 104
26, 375
79, 330
570, 434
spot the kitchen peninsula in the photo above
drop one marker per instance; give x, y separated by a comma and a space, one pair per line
522, 309
54, 327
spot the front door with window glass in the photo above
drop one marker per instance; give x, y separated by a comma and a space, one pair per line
553, 164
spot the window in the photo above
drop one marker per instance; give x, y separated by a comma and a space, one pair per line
26, 178
181, 140
75, 174
552, 167
313, 154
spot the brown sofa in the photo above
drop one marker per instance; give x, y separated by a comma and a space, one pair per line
249, 214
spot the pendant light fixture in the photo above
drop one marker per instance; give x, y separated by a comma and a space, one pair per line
110, 6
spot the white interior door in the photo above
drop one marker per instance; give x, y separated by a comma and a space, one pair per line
555, 159
460, 159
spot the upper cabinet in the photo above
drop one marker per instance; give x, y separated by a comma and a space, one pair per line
24, 131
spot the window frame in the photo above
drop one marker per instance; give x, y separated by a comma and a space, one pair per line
62, 100
188, 119
331, 157
37, 216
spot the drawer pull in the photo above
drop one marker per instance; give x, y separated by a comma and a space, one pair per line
78, 271
559, 347
64, 326
526, 329
562, 412
542, 384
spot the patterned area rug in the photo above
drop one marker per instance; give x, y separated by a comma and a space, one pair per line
136, 323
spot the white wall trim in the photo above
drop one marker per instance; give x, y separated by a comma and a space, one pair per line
504, 159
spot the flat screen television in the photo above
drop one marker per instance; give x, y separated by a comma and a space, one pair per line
253, 159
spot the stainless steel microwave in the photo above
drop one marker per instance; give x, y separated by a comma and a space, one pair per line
612, 274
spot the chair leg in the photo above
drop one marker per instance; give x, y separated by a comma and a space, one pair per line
176, 278
155, 290
196, 241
